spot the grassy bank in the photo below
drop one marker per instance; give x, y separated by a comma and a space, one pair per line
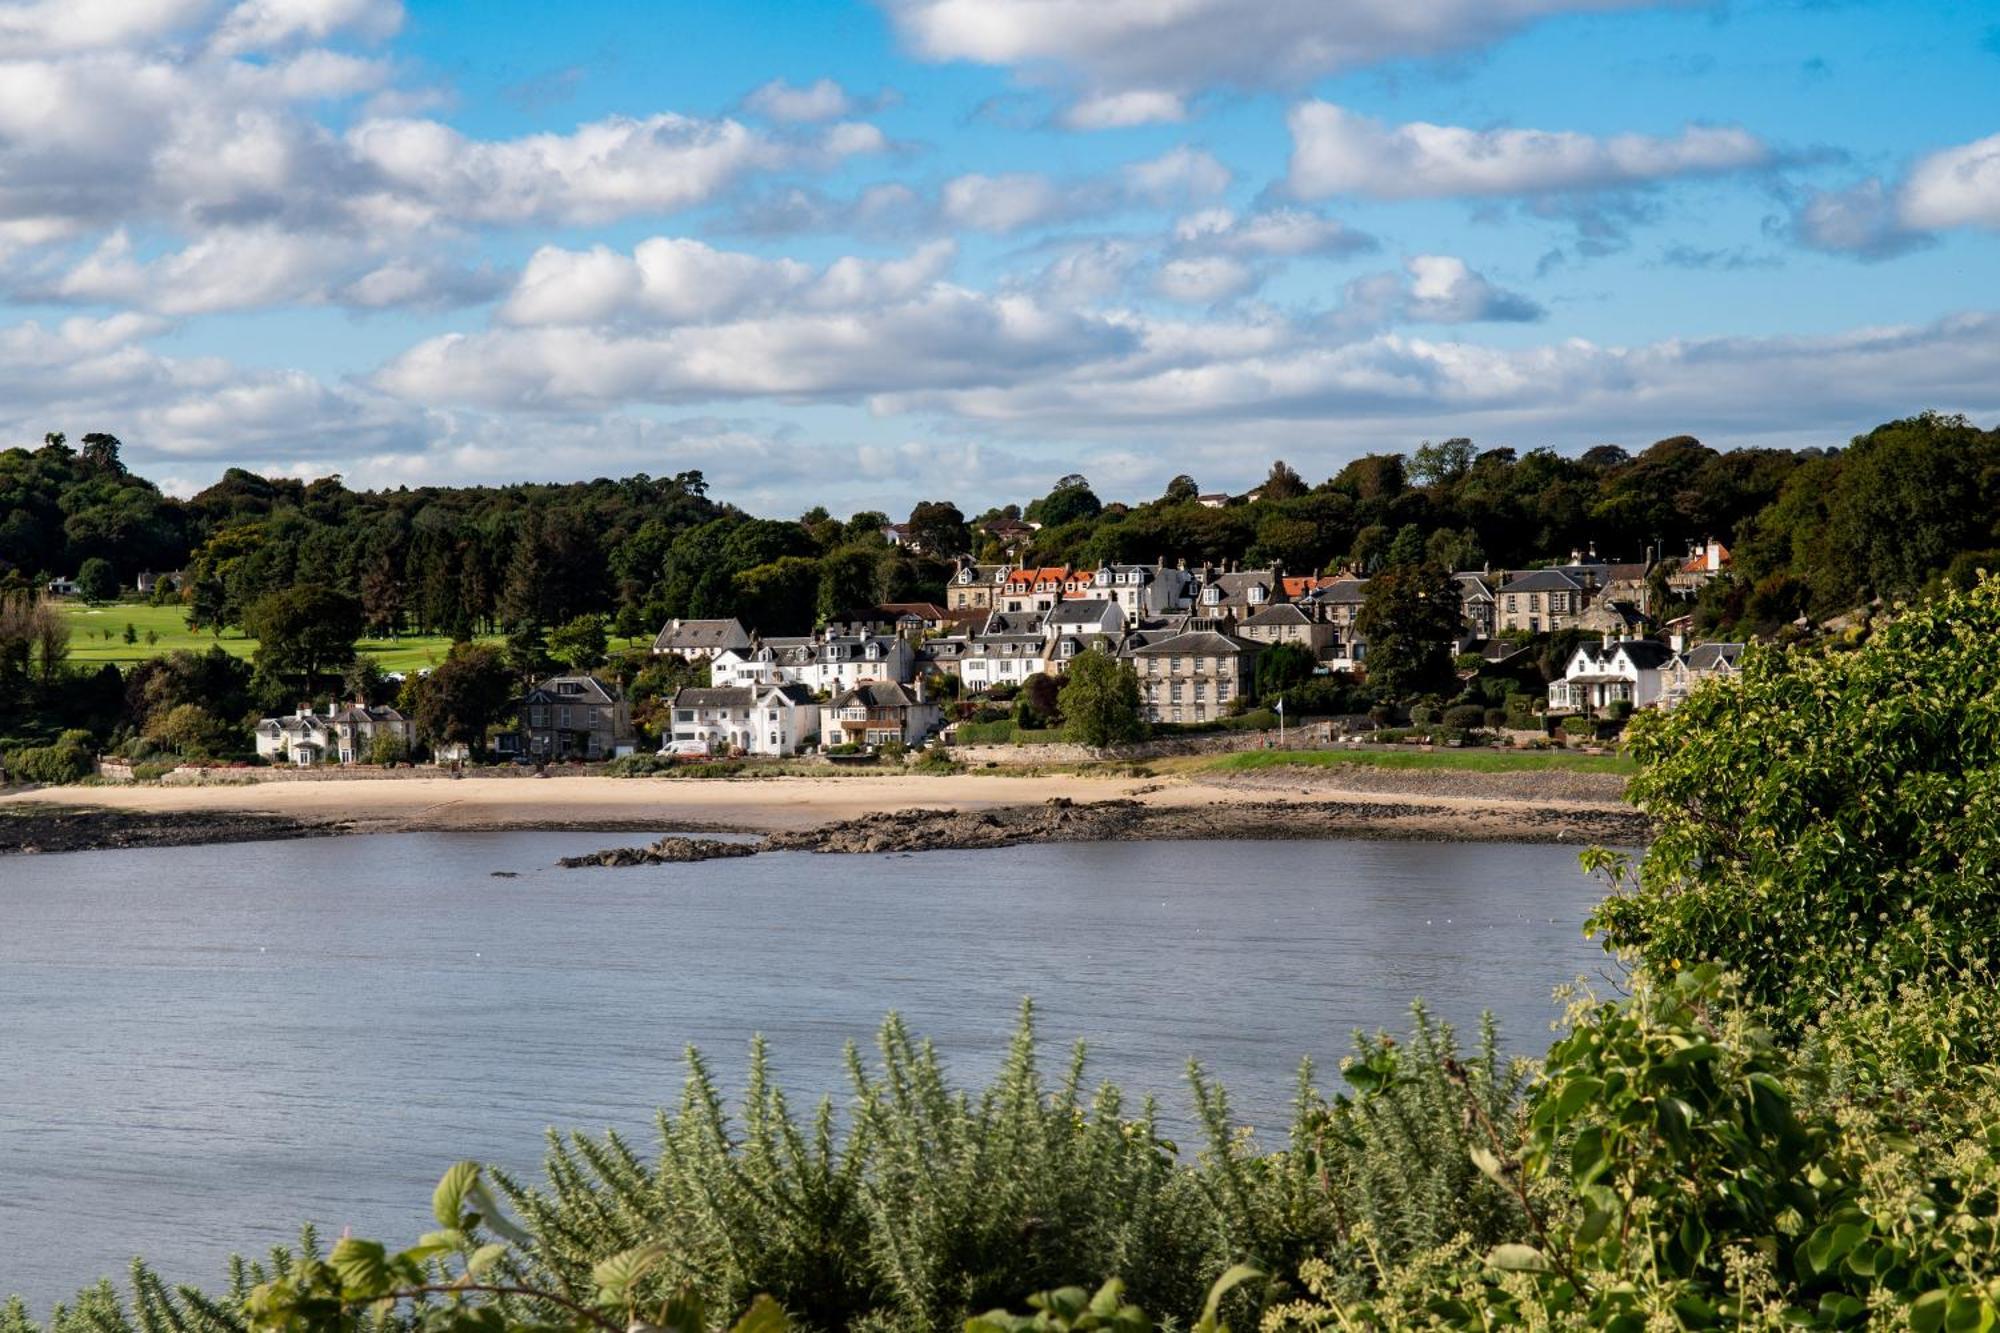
1469, 761
168, 626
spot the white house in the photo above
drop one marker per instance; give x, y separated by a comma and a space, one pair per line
1001, 659
700, 640
1143, 592
343, 734
879, 712
826, 663
755, 719
1631, 671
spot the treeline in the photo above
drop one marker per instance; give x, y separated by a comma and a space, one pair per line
1814, 531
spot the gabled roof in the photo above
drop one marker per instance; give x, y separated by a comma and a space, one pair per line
1341, 591
1083, 611
1283, 613
876, 694
700, 635
1540, 580
921, 610
1047, 576
792, 691
590, 690
1474, 586
1298, 585
1711, 656
1013, 622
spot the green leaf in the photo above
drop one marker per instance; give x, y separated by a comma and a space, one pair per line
448, 1200
1517, 1259
362, 1267
1576, 1094
1225, 1284
615, 1277
1927, 1312
1489, 1166
764, 1316
492, 1218
485, 1257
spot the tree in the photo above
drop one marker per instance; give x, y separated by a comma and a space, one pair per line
1071, 499
779, 597
579, 644
1181, 490
1283, 483
305, 631
1442, 464
365, 681
459, 701
936, 527
1282, 667
189, 729
1100, 701
1036, 705
97, 581
1409, 618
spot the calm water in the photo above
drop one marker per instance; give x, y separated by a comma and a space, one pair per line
202, 1047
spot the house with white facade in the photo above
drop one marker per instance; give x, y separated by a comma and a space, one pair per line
342, 734
1143, 592
825, 663
1630, 671
750, 719
700, 640
1001, 659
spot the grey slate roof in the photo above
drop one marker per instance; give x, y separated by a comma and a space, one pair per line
720, 696
876, 694
1195, 643
589, 690
1083, 611
1284, 613
1709, 656
1541, 580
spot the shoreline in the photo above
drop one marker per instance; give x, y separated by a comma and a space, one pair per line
1274, 803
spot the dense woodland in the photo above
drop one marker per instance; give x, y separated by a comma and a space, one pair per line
1814, 531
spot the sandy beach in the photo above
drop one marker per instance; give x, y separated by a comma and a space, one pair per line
1334, 803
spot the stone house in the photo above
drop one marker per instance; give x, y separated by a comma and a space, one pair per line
1701, 663
973, 586
1286, 622
1541, 601
1194, 676
879, 712
575, 717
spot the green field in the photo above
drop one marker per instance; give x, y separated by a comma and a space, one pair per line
1474, 761
87, 643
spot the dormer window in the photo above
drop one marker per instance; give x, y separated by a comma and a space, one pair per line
874, 651
1256, 593
1211, 595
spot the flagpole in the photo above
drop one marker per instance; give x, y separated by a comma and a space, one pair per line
1281, 722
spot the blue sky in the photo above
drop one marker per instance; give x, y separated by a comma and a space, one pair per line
861, 252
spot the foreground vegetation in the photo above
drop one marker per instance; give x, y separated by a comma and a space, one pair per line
1789, 1119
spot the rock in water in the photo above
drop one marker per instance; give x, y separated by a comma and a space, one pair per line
666, 851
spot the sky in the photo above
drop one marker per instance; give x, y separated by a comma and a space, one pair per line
864, 252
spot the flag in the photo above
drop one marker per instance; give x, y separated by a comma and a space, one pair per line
1281, 705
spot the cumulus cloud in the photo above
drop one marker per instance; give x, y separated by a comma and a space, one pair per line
1107, 47
1007, 202
1860, 220
1337, 151
1956, 187
673, 280
1205, 279
260, 25
1278, 233
1445, 290
45, 27
1177, 174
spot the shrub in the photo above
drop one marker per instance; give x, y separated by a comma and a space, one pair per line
1824, 819
1465, 717
1382, 715
70, 759
1425, 715
1578, 727
1495, 718
1618, 710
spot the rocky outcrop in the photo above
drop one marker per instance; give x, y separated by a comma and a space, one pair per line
667, 851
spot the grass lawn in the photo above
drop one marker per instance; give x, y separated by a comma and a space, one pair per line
87, 644
1474, 761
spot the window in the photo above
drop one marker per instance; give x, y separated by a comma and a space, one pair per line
1221, 690
562, 717
1201, 691
538, 716
1174, 666
1513, 602
1534, 601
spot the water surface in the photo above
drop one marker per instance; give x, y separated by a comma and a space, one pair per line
205, 1046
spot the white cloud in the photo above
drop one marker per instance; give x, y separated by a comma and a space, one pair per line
821, 100
1178, 173
673, 280
1860, 220
1336, 151
1445, 290
1204, 280
49, 27
260, 25
1181, 45
1274, 233
1955, 187
1004, 203
1123, 110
